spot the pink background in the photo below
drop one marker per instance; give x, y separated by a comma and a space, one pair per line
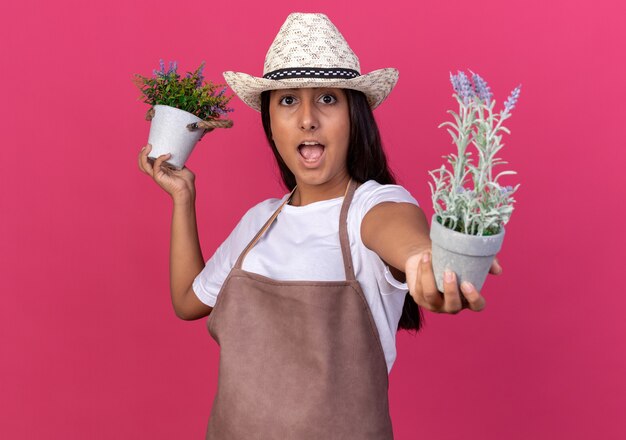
90, 345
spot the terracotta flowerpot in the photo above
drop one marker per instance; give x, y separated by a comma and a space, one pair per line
468, 256
169, 134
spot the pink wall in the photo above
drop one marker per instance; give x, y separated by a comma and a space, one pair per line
90, 346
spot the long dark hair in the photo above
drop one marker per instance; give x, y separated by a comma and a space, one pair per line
366, 161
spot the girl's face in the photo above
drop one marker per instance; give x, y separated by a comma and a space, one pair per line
317, 114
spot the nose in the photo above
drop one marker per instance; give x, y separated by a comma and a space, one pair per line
308, 116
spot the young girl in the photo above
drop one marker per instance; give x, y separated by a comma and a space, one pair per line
306, 294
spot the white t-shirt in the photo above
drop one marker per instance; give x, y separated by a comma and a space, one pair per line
303, 244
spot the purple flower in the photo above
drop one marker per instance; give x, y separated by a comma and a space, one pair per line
160, 72
462, 87
172, 68
510, 102
481, 88
467, 91
455, 84
507, 189
200, 77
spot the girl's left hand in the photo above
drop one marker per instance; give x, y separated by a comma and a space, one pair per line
423, 287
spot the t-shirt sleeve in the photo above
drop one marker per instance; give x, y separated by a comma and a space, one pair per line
209, 281
387, 193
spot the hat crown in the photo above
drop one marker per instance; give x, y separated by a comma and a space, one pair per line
309, 40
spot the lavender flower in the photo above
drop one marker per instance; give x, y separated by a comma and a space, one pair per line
200, 77
481, 88
465, 87
455, 84
172, 68
161, 72
507, 189
510, 102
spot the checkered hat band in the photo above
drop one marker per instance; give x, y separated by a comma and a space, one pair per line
312, 72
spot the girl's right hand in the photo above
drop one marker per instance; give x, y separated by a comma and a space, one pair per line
179, 184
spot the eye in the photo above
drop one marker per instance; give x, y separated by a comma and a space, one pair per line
325, 96
285, 97
329, 95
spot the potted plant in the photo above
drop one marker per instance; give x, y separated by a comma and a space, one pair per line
182, 111
467, 228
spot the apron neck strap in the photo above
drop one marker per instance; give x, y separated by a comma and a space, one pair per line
343, 230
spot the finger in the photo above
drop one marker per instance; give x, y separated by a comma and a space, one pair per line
431, 294
157, 164
495, 268
451, 294
139, 159
144, 164
474, 298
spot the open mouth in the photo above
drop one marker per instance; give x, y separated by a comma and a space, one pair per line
311, 153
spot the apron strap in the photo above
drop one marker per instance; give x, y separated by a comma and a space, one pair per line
265, 226
343, 230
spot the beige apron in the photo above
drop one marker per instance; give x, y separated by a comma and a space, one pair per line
299, 360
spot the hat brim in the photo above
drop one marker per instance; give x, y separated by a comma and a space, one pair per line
376, 85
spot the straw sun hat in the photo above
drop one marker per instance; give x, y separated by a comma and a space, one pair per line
309, 51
